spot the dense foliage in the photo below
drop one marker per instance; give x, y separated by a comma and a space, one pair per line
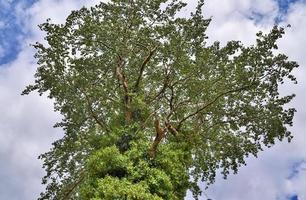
149, 108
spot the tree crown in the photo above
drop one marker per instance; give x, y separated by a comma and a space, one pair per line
147, 103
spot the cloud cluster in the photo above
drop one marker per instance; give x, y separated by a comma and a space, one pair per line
26, 122
24, 130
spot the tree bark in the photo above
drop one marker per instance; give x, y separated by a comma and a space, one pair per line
127, 99
160, 134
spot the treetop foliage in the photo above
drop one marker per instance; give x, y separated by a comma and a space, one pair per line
149, 107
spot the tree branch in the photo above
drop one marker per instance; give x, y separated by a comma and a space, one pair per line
171, 103
160, 134
162, 90
92, 113
68, 193
144, 63
172, 130
209, 104
123, 80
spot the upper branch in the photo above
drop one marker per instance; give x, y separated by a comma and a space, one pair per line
209, 104
144, 63
165, 85
95, 117
102, 123
171, 103
123, 80
121, 76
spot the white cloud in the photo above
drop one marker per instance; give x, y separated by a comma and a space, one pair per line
24, 129
239, 19
296, 185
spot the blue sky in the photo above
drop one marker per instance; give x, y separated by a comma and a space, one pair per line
284, 4
11, 30
26, 122
293, 197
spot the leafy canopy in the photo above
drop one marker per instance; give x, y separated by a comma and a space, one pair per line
149, 108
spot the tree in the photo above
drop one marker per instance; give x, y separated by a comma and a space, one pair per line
149, 108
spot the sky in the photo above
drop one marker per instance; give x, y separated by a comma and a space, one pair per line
279, 173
